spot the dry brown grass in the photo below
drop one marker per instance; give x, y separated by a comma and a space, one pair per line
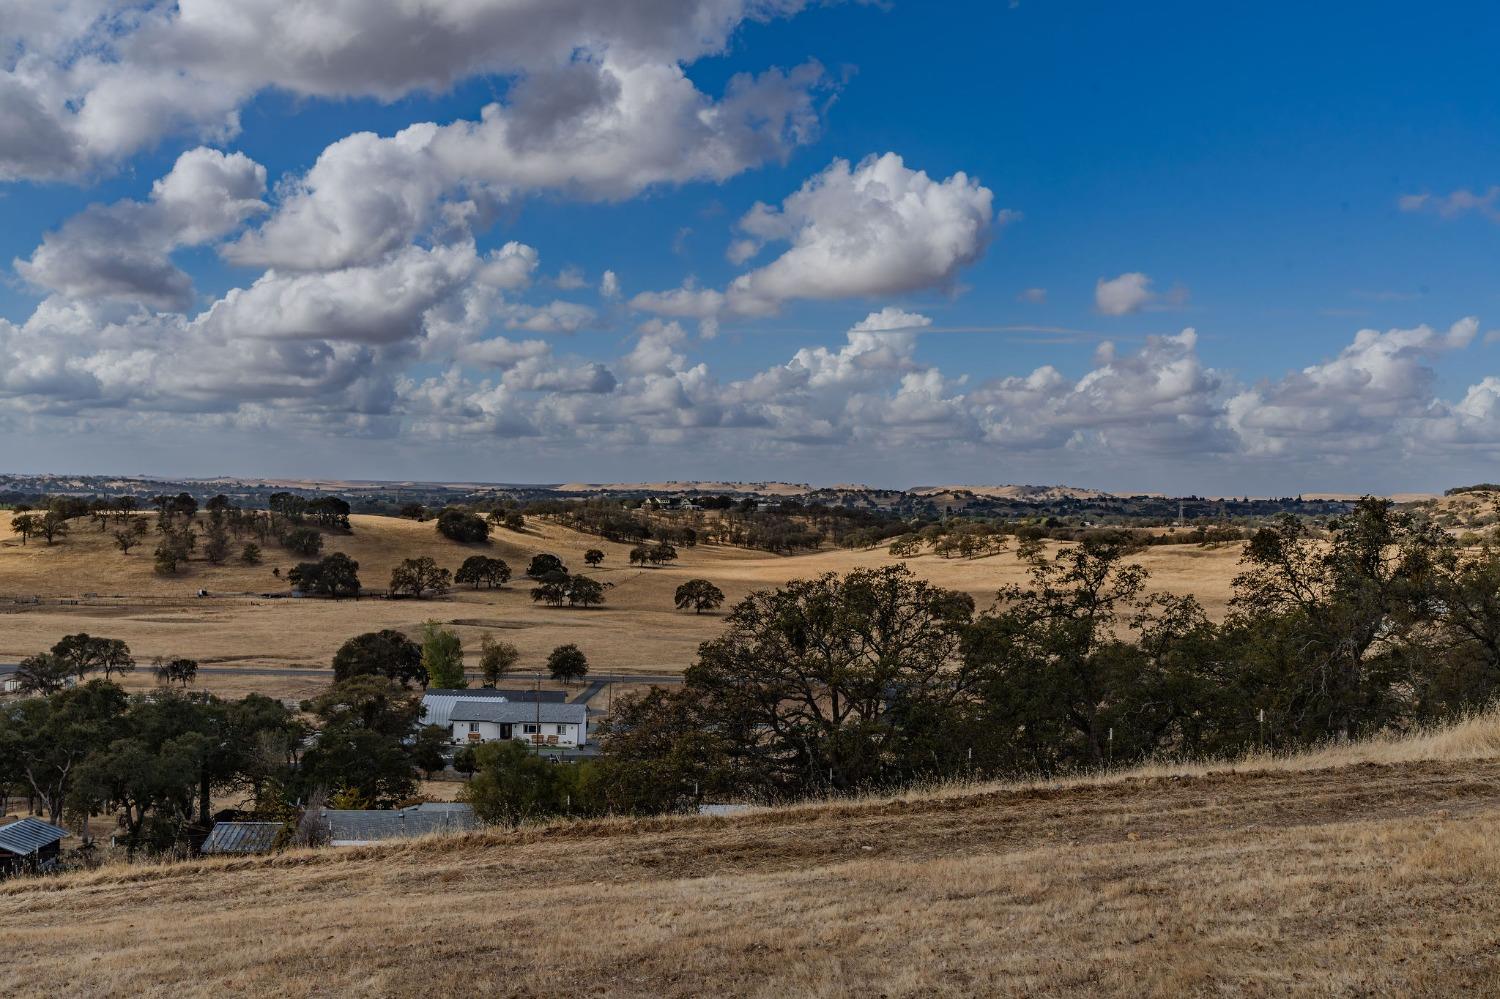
1352, 871
638, 630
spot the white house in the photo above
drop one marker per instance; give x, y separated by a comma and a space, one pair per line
538, 724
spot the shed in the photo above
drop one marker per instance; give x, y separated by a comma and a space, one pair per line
359, 826
242, 838
29, 845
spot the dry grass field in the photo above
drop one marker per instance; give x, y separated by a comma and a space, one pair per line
1368, 869
638, 630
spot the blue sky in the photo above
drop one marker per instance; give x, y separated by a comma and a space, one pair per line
1077, 184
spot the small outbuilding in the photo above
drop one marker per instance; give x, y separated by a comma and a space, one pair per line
241, 838
361, 826
29, 845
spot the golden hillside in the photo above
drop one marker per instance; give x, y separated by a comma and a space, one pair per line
1364, 870
638, 629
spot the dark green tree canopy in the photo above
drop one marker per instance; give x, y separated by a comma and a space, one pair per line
335, 575
545, 564
481, 570
419, 577
567, 663
87, 654
304, 541
462, 525
387, 653
698, 595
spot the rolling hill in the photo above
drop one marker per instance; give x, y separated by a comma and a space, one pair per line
1364, 869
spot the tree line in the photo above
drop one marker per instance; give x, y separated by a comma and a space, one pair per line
878, 678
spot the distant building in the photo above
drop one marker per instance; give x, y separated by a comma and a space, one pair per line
537, 724
361, 826
242, 838
29, 845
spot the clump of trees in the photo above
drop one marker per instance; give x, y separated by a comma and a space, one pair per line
155, 760
363, 752
461, 525
130, 536
575, 591
180, 671
481, 570
658, 554
511, 520
304, 541
336, 575
71, 660
294, 521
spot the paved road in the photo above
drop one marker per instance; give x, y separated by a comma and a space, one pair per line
598, 681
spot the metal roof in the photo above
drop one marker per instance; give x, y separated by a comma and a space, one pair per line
554, 696
348, 826
513, 713
437, 705
27, 836
242, 837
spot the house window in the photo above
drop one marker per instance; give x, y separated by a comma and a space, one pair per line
530, 729
473, 726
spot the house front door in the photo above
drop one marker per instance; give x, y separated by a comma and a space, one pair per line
505, 731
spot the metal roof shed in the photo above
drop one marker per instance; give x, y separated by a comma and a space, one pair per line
29, 844
242, 838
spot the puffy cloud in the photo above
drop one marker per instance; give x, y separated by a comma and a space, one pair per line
656, 349
881, 343
499, 352
878, 228
554, 317
123, 251
621, 129
88, 81
687, 302
1122, 295
382, 303
1160, 398
891, 319
609, 286
1364, 399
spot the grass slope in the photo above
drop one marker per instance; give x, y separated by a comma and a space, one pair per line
1366, 869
